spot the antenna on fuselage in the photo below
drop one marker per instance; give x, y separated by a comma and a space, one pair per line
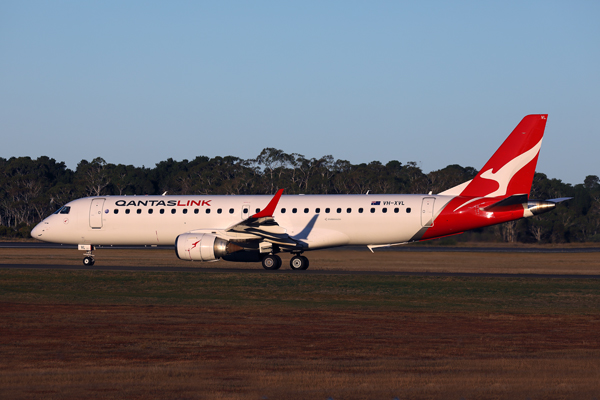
164, 193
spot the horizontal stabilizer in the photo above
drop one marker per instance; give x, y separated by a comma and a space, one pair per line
508, 204
559, 200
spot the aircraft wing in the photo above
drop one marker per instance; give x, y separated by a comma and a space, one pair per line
263, 225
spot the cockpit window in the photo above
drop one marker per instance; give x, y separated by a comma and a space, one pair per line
63, 210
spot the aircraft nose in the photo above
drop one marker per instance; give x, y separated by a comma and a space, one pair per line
37, 231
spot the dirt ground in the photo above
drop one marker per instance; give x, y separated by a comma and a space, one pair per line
136, 352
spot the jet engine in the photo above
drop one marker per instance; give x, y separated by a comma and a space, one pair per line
203, 247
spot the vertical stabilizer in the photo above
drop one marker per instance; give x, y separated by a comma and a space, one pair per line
510, 170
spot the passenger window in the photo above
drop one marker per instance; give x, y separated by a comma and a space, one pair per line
196, 211
127, 211
348, 210
294, 210
384, 210
396, 210
208, 210
150, 210
173, 211
372, 210
318, 210
246, 210
408, 210
283, 210
339, 210
219, 211
257, 210
162, 210
306, 211
327, 211
360, 210
116, 210
231, 211
185, 210
139, 210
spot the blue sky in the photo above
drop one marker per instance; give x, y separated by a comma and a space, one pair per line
434, 82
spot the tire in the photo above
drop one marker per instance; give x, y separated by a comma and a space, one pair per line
271, 262
88, 261
298, 263
306, 263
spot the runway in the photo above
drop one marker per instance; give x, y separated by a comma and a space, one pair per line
404, 248
260, 270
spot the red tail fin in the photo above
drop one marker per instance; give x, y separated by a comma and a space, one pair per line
511, 168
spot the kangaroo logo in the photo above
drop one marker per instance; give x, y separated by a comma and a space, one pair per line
505, 174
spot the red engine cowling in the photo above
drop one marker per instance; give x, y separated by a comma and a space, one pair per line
202, 247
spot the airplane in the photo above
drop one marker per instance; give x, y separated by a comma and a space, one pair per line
256, 228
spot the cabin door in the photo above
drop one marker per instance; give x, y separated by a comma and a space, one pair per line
427, 212
96, 213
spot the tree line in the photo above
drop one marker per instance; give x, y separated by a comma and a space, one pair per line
33, 189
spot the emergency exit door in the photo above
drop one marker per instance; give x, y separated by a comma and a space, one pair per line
245, 211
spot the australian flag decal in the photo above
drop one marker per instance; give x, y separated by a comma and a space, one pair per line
375, 203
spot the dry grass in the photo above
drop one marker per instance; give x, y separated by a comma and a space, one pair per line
556, 377
338, 260
77, 351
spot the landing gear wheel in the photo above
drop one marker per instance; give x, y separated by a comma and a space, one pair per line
271, 262
299, 263
88, 261
306, 263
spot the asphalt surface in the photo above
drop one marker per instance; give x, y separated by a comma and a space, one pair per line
259, 270
406, 248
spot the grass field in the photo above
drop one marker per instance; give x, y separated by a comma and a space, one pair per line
108, 334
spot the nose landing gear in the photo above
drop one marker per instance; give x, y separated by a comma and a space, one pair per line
88, 259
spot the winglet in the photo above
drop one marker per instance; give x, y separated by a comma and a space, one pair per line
270, 208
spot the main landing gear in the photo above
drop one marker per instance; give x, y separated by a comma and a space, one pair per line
273, 262
299, 262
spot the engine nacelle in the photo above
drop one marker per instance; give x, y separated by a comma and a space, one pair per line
203, 247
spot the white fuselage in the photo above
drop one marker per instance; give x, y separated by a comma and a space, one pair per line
256, 228
318, 221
